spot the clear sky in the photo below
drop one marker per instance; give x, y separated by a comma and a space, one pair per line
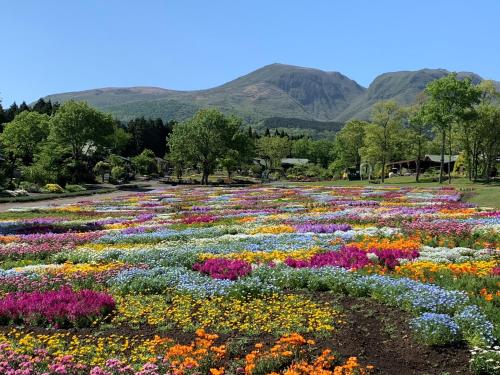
53, 46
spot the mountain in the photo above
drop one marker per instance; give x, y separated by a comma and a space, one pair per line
275, 90
403, 87
285, 92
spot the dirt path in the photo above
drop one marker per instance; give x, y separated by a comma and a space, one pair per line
72, 200
62, 201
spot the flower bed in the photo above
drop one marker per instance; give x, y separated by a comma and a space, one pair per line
265, 270
224, 268
60, 308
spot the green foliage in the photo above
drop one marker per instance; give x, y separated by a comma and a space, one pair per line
450, 100
145, 163
29, 187
316, 151
348, 144
115, 161
380, 143
273, 149
205, 139
418, 135
485, 361
308, 171
118, 173
119, 139
81, 129
101, 168
37, 174
24, 135
74, 188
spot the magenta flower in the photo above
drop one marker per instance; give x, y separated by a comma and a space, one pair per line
199, 219
228, 269
62, 308
322, 228
351, 257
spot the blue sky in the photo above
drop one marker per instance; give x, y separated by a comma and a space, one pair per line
56, 46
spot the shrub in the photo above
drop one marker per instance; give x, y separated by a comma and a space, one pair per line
53, 188
37, 174
145, 163
435, 329
61, 308
118, 173
29, 187
75, 188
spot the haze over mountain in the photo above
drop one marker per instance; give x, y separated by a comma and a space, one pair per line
273, 91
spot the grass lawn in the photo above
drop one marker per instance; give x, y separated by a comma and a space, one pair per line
484, 195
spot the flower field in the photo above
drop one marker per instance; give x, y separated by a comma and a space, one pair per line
257, 280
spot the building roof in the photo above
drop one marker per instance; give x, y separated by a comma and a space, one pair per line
294, 161
437, 158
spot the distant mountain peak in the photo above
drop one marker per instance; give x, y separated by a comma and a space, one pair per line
274, 90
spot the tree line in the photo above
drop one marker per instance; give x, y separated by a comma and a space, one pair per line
49, 142
73, 142
451, 117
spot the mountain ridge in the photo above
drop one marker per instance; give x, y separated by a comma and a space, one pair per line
275, 90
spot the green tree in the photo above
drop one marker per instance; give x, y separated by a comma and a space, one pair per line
145, 162
322, 152
488, 130
52, 164
450, 101
3, 117
11, 112
178, 156
80, 128
240, 148
42, 106
383, 134
348, 144
25, 134
419, 133
272, 150
203, 140
479, 135
302, 148
119, 139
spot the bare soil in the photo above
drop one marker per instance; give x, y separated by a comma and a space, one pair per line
378, 335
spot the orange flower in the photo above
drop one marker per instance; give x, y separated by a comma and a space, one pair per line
215, 371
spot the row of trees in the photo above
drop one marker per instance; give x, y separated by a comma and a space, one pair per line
59, 147
452, 116
41, 106
69, 143
212, 140
47, 142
